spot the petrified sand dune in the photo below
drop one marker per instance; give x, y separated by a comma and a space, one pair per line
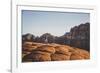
41, 57
59, 57
36, 52
61, 50
31, 48
38, 56
80, 54
46, 48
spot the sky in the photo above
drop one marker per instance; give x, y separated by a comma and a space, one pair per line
55, 23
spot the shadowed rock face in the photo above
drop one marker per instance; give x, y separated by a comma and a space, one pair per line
80, 36
51, 52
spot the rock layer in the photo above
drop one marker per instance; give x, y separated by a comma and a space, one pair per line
51, 52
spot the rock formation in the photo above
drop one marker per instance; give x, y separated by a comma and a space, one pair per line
28, 37
38, 52
79, 37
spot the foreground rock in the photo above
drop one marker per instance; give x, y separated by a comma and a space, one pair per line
38, 52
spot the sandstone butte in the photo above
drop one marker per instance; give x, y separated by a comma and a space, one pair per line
39, 52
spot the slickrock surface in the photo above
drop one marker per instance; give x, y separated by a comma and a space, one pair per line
38, 52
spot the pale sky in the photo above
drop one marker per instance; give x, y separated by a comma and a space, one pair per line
55, 23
